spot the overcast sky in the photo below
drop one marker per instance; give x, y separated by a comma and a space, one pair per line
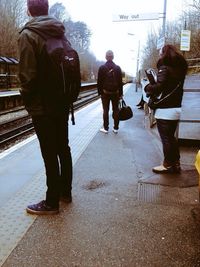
106, 34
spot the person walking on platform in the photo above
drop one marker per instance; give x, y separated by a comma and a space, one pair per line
110, 87
172, 69
43, 99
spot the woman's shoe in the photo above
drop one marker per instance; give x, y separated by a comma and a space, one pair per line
169, 169
161, 169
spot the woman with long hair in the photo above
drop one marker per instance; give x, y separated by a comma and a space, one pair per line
172, 68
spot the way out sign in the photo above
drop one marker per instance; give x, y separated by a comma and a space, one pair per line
135, 17
185, 40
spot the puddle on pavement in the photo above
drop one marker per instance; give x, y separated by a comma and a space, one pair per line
95, 184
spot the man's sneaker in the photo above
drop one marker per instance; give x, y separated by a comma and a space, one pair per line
103, 130
115, 131
66, 198
170, 169
41, 208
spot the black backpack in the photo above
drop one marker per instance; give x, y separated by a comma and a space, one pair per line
64, 63
110, 82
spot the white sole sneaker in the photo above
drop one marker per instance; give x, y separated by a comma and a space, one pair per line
163, 169
115, 131
160, 169
103, 130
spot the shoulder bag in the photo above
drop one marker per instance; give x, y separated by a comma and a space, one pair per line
155, 102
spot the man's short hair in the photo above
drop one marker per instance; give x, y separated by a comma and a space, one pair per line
109, 55
38, 7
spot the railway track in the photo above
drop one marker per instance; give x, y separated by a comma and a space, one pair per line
15, 129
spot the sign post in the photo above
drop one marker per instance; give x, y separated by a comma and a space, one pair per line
160, 43
142, 17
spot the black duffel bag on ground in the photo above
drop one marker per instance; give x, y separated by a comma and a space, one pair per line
125, 112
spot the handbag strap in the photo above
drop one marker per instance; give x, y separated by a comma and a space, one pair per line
122, 103
171, 93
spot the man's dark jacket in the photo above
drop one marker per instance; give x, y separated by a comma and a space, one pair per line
102, 73
38, 87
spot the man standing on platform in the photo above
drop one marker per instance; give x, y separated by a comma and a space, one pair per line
110, 87
44, 99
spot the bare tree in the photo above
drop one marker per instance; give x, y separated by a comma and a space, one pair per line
173, 36
196, 5
59, 11
76, 32
79, 36
150, 52
11, 18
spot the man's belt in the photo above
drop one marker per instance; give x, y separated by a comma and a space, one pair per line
110, 92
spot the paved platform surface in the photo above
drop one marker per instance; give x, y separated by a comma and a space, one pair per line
9, 93
120, 216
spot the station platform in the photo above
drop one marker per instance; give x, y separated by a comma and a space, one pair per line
122, 214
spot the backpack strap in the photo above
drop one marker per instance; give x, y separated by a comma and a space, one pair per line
109, 70
72, 114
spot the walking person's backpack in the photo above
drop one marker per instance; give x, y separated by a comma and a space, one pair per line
110, 82
65, 67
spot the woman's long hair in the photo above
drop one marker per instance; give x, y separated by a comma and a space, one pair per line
171, 57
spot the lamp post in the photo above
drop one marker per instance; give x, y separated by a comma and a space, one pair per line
137, 63
164, 19
137, 67
161, 40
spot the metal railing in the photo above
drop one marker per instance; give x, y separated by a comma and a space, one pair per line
193, 60
150, 114
194, 120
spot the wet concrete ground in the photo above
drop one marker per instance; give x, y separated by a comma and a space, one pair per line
118, 216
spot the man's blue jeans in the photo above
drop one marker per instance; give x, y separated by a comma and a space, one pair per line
166, 129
